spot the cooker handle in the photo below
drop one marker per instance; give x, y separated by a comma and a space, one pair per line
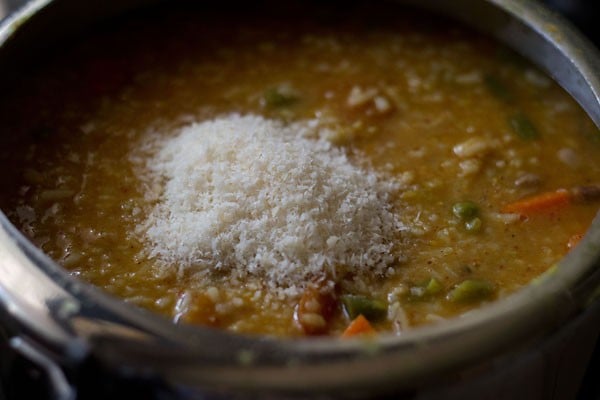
35, 313
47, 332
32, 373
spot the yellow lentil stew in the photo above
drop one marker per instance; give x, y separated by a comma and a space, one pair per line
312, 174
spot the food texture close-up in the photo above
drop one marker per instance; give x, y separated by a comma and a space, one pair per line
235, 199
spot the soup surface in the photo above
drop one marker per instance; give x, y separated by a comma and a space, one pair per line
285, 176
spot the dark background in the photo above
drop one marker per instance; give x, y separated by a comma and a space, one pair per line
585, 14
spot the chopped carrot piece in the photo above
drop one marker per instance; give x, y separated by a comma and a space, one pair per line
538, 203
359, 326
574, 240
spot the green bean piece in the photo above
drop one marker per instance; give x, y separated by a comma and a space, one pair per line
371, 309
425, 289
275, 97
433, 287
465, 210
523, 127
497, 88
470, 291
473, 225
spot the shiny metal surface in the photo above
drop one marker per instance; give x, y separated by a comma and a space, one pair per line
74, 323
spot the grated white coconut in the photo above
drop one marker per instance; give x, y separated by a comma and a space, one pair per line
249, 195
